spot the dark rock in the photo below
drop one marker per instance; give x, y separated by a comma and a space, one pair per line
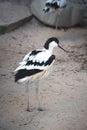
66, 17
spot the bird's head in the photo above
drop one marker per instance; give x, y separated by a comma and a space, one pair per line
53, 42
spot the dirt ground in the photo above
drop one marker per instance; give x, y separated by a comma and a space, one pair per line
63, 92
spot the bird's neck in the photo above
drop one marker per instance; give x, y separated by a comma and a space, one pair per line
50, 50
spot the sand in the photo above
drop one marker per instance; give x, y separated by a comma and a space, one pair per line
63, 93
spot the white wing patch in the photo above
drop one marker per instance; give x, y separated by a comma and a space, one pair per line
32, 61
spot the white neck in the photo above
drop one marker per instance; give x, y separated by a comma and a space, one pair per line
52, 46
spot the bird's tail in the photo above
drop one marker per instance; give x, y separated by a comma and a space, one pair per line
20, 76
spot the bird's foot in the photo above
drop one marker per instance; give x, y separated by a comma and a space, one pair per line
30, 109
41, 109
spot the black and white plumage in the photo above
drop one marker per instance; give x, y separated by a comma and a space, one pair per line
37, 61
37, 64
52, 5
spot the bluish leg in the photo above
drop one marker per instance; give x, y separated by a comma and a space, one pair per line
37, 95
27, 91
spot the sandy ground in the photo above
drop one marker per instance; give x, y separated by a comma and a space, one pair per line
63, 92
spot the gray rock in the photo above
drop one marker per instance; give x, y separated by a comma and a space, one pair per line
12, 16
22, 2
70, 16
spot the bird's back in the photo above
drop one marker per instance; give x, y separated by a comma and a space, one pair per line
35, 62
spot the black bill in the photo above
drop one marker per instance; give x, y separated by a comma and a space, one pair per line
64, 49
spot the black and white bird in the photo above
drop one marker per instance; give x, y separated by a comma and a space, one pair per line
36, 65
52, 5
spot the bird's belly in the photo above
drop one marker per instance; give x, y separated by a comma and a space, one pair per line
41, 74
